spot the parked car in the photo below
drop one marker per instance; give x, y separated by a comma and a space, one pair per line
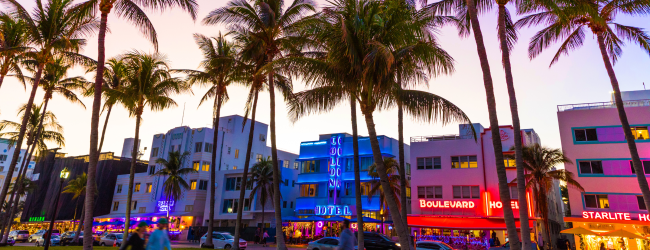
19, 235
55, 241
67, 237
432, 244
377, 241
326, 243
11, 241
39, 234
223, 240
109, 239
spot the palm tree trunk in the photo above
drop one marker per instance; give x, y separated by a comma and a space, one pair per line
402, 170
519, 162
134, 159
279, 240
402, 231
75, 240
94, 126
634, 153
101, 141
357, 170
246, 165
217, 106
21, 135
504, 192
2, 79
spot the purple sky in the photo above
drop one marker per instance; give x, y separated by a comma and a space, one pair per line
579, 78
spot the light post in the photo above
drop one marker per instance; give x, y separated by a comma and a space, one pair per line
63, 177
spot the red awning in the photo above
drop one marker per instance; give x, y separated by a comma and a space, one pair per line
459, 223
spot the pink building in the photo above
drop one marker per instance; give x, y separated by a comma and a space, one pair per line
592, 137
455, 185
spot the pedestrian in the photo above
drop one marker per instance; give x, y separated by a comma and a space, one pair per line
136, 240
497, 242
346, 238
264, 238
159, 238
258, 232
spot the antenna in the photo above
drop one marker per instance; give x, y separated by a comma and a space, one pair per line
183, 117
643, 85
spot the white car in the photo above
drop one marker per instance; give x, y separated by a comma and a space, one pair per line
223, 240
109, 239
55, 241
432, 245
39, 235
19, 235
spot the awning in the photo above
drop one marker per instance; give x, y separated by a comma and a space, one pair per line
367, 220
622, 233
578, 230
589, 220
336, 218
459, 223
110, 216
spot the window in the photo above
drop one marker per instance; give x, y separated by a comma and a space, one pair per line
646, 167
142, 210
464, 161
229, 206
466, 192
148, 190
310, 166
284, 204
205, 166
137, 188
408, 168
189, 208
197, 147
365, 188
308, 190
588, 134
639, 199
116, 205
152, 170
429, 163
2, 168
196, 165
510, 163
514, 193
640, 133
291, 205
293, 183
3, 157
262, 137
193, 185
236, 153
134, 205
233, 167
596, 201
431, 192
233, 183
208, 147
591, 167
228, 150
247, 205
259, 157
203, 185
286, 182
286, 164
119, 188
296, 165
365, 162
154, 152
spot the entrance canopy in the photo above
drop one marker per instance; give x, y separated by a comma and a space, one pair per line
459, 223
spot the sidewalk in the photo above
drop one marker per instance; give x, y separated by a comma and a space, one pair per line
187, 244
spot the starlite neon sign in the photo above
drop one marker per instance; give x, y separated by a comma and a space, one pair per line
165, 206
607, 216
333, 210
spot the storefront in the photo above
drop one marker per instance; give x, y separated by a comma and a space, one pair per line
178, 223
611, 230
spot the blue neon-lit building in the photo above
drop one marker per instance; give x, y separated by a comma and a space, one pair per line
326, 175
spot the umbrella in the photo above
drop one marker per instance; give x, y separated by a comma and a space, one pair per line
290, 218
336, 218
367, 220
579, 230
622, 233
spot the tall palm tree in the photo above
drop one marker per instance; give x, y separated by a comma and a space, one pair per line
150, 84
567, 21
219, 72
262, 183
394, 181
174, 171
55, 28
272, 31
540, 163
77, 187
133, 12
13, 43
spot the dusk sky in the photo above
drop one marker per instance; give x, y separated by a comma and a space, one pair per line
577, 78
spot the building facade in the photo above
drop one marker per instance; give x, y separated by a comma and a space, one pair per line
6, 154
455, 184
592, 137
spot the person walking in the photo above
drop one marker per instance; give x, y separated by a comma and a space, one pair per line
346, 238
264, 238
136, 241
159, 238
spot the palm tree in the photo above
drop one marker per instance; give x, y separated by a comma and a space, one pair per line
394, 181
77, 187
218, 63
270, 31
567, 21
262, 183
13, 43
133, 12
174, 171
150, 84
540, 163
55, 28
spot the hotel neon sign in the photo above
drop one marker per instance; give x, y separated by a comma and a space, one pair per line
333, 210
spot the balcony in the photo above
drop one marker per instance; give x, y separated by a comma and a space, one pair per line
602, 105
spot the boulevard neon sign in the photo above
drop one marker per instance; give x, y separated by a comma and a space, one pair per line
333, 210
447, 204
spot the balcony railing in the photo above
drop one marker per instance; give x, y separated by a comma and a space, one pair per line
601, 105
436, 138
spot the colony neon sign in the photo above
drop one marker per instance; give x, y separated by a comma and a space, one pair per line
333, 210
447, 204
335, 162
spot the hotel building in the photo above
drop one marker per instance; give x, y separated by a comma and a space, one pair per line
592, 137
455, 184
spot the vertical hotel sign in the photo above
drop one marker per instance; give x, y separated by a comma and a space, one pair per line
335, 171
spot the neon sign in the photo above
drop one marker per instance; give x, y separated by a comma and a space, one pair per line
490, 205
333, 210
447, 204
611, 216
498, 204
165, 206
335, 162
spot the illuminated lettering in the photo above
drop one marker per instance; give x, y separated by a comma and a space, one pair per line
644, 217
164, 206
612, 216
333, 210
423, 203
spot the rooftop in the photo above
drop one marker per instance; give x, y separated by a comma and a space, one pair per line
602, 105
438, 138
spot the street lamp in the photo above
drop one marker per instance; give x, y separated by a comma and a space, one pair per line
63, 176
